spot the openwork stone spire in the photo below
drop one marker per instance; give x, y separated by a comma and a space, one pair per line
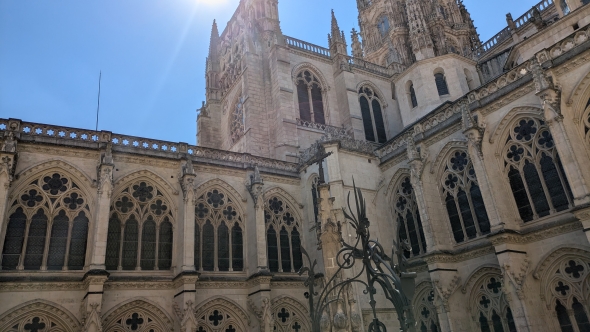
357, 48
336, 39
420, 39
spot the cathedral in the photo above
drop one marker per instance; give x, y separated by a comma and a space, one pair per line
470, 153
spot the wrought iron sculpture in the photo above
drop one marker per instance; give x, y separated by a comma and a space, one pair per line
397, 284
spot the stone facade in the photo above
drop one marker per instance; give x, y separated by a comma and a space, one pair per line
472, 152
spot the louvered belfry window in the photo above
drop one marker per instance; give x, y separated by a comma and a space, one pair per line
408, 218
282, 236
463, 199
219, 228
140, 229
534, 170
372, 113
310, 97
47, 225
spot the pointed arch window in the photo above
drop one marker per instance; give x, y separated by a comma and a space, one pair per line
47, 226
218, 233
463, 199
310, 97
566, 287
408, 218
491, 307
534, 170
372, 113
140, 229
282, 236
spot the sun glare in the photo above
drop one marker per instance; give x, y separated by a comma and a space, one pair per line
212, 2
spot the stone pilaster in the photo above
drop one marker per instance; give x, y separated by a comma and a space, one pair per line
550, 96
259, 301
444, 284
8, 161
515, 264
473, 129
583, 214
91, 306
184, 300
186, 222
417, 165
100, 227
255, 188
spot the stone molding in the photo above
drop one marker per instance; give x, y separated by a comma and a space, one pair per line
41, 286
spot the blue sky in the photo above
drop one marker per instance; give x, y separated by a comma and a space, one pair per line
151, 53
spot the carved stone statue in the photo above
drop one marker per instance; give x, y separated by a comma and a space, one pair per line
9, 144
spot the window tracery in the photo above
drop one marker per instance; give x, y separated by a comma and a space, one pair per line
463, 199
289, 316
47, 226
568, 287
282, 236
310, 97
218, 233
490, 308
408, 218
237, 121
218, 320
140, 229
372, 113
137, 316
426, 312
534, 170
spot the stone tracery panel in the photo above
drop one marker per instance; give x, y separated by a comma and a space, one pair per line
534, 170
140, 231
219, 240
408, 217
283, 238
221, 315
137, 315
425, 309
47, 225
489, 308
290, 316
38, 316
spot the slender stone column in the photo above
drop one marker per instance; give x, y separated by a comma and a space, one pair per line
100, 227
186, 219
551, 98
255, 188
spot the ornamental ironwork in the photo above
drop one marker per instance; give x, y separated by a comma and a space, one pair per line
376, 269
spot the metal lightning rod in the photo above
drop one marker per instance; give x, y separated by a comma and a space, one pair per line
98, 105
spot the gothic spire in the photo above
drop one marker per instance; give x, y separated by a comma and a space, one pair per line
336, 38
420, 38
357, 48
214, 38
335, 27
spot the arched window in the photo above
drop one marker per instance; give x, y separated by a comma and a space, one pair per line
565, 288
282, 236
372, 112
586, 121
383, 26
408, 218
51, 212
491, 308
426, 312
441, 84
219, 242
412, 95
463, 199
310, 97
140, 229
236, 123
534, 170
